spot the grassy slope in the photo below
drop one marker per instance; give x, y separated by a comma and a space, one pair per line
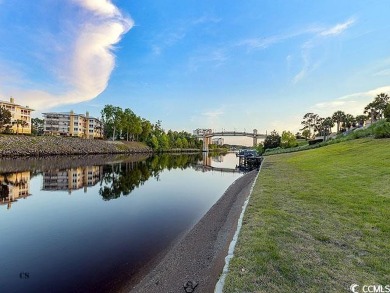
317, 221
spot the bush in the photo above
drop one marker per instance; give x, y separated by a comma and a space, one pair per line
382, 129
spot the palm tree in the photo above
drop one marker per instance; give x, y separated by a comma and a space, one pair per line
381, 101
349, 120
338, 117
327, 124
19, 122
24, 124
375, 109
360, 119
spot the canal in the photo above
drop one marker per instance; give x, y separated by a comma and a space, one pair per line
96, 223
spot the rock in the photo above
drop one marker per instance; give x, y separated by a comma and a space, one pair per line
190, 286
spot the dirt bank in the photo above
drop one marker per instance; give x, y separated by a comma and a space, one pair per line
199, 256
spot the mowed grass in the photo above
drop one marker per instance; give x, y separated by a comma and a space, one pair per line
317, 221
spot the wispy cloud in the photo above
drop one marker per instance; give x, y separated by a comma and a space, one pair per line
352, 103
212, 114
213, 58
206, 19
265, 42
315, 36
338, 28
384, 72
89, 56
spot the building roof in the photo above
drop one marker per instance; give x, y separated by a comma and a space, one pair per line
14, 104
68, 114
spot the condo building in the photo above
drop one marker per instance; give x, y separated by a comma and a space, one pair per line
72, 124
20, 116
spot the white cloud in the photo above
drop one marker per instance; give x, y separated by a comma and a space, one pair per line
213, 114
88, 55
100, 7
338, 28
353, 103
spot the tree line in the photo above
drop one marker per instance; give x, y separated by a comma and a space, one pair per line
126, 125
313, 125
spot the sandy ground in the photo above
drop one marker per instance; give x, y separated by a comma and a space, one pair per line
197, 260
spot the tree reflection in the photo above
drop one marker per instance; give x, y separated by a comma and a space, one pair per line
122, 178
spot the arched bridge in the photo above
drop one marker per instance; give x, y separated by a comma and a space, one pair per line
207, 134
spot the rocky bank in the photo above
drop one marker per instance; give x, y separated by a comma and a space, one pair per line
37, 146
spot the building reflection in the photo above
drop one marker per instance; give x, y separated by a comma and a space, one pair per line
14, 186
72, 179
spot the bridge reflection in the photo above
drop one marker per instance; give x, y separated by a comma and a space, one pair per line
206, 165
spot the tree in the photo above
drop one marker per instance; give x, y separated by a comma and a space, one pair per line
360, 119
310, 121
338, 117
179, 143
386, 113
381, 101
272, 140
163, 141
153, 143
146, 127
5, 117
184, 142
306, 133
288, 140
21, 123
371, 112
260, 148
37, 126
127, 122
327, 125
375, 110
349, 121
307, 121
111, 117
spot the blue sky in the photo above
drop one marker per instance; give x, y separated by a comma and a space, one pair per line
196, 64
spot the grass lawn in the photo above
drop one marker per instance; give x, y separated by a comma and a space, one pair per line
317, 221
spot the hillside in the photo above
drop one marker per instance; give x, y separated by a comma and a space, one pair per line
317, 221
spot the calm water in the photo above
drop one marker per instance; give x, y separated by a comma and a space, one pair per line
89, 224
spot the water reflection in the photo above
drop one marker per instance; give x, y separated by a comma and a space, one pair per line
122, 178
72, 178
14, 186
116, 178
81, 231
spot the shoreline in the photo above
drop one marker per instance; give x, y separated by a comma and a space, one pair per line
199, 255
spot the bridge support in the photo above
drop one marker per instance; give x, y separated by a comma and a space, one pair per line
254, 137
206, 142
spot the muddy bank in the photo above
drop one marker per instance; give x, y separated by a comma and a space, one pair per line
198, 258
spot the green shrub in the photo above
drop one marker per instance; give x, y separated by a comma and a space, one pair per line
382, 129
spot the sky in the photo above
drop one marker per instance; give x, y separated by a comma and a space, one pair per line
233, 65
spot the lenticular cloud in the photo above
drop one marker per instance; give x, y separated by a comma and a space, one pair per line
90, 60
